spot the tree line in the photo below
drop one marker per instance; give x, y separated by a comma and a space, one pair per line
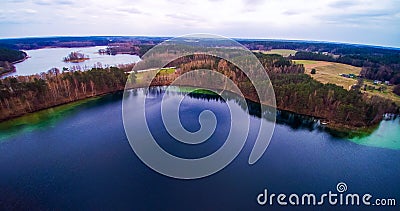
24, 94
299, 93
8, 57
295, 91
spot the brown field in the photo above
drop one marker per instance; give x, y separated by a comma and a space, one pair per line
328, 72
282, 52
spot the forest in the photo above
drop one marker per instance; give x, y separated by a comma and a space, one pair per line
11, 55
297, 92
8, 57
378, 63
24, 94
294, 90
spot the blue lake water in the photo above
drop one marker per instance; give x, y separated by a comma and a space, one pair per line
82, 160
42, 60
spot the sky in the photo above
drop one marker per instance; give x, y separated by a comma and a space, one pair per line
374, 22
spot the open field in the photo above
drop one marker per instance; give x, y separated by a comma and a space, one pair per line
328, 72
143, 77
282, 52
166, 71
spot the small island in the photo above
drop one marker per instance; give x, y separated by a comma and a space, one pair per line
76, 57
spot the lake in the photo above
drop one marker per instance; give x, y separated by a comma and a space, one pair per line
42, 60
78, 157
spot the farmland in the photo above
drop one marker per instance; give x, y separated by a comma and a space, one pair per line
282, 52
329, 72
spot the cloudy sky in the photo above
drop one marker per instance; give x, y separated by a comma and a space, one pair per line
374, 22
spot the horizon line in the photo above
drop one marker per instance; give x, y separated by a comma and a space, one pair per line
234, 38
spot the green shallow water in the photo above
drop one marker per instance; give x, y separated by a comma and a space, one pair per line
42, 119
387, 135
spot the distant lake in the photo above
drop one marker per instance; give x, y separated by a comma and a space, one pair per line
41, 60
78, 157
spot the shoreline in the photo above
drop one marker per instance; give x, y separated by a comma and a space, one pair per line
23, 59
342, 129
4, 74
76, 60
56, 105
332, 125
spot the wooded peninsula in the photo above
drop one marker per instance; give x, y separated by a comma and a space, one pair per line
294, 90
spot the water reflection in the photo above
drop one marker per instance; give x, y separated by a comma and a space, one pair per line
49, 117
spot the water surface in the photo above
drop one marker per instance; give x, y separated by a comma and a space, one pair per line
42, 60
82, 160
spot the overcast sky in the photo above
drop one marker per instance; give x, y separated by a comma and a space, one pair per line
374, 22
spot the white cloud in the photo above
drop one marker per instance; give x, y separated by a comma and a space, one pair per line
297, 19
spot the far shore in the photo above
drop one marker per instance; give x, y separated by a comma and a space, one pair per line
333, 126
